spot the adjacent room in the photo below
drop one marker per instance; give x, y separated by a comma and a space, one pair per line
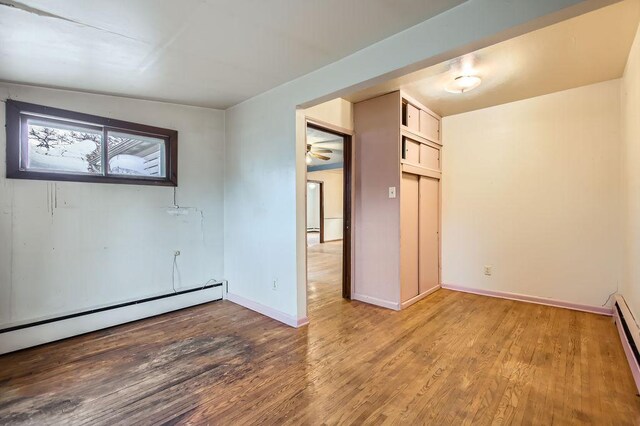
325, 213
353, 213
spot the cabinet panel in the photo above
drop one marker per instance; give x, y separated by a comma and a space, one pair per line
429, 211
429, 157
412, 117
429, 126
411, 150
409, 244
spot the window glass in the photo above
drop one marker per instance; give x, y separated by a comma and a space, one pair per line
63, 147
48, 143
133, 155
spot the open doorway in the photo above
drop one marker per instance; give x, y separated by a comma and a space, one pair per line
328, 160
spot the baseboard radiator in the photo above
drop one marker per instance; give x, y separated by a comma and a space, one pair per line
629, 335
23, 336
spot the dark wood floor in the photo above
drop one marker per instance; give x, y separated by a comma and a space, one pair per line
452, 358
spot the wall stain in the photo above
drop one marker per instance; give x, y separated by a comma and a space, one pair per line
52, 198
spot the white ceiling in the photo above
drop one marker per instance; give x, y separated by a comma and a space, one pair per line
212, 53
584, 50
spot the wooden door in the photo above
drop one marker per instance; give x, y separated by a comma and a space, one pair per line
429, 157
409, 269
429, 233
430, 126
412, 119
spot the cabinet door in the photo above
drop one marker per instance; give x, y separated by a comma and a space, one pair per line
429, 157
411, 150
430, 126
428, 235
413, 118
409, 270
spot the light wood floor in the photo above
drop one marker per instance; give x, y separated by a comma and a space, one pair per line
452, 358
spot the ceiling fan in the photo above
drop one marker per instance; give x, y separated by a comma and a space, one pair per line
317, 153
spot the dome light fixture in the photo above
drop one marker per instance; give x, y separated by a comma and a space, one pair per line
463, 84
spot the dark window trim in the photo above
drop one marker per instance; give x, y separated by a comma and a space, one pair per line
16, 127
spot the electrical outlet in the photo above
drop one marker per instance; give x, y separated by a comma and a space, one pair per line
275, 285
176, 253
488, 269
392, 192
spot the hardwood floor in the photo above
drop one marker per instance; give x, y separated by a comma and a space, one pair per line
452, 358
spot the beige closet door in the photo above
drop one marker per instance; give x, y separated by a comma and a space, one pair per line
428, 231
409, 270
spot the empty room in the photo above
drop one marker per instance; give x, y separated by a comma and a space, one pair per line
327, 212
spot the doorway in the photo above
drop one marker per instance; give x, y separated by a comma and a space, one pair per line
328, 215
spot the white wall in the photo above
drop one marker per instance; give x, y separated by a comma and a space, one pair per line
337, 112
333, 187
630, 103
72, 246
265, 148
313, 206
532, 189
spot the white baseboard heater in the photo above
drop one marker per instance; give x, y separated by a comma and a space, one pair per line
629, 335
51, 329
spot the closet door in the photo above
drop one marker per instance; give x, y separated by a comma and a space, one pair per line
428, 234
409, 269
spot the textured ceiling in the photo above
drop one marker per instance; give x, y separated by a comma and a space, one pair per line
212, 53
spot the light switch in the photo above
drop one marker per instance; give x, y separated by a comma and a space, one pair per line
392, 192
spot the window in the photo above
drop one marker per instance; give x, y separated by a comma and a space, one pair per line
55, 144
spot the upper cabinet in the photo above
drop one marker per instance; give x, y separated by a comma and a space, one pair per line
430, 126
420, 120
411, 116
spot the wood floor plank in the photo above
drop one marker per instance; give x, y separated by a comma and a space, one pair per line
452, 358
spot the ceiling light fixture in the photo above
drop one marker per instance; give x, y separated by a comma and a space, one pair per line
463, 83
307, 159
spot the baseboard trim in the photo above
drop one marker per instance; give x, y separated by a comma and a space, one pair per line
631, 359
267, 311
51, 331
600, 310
418, 297
375, 301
